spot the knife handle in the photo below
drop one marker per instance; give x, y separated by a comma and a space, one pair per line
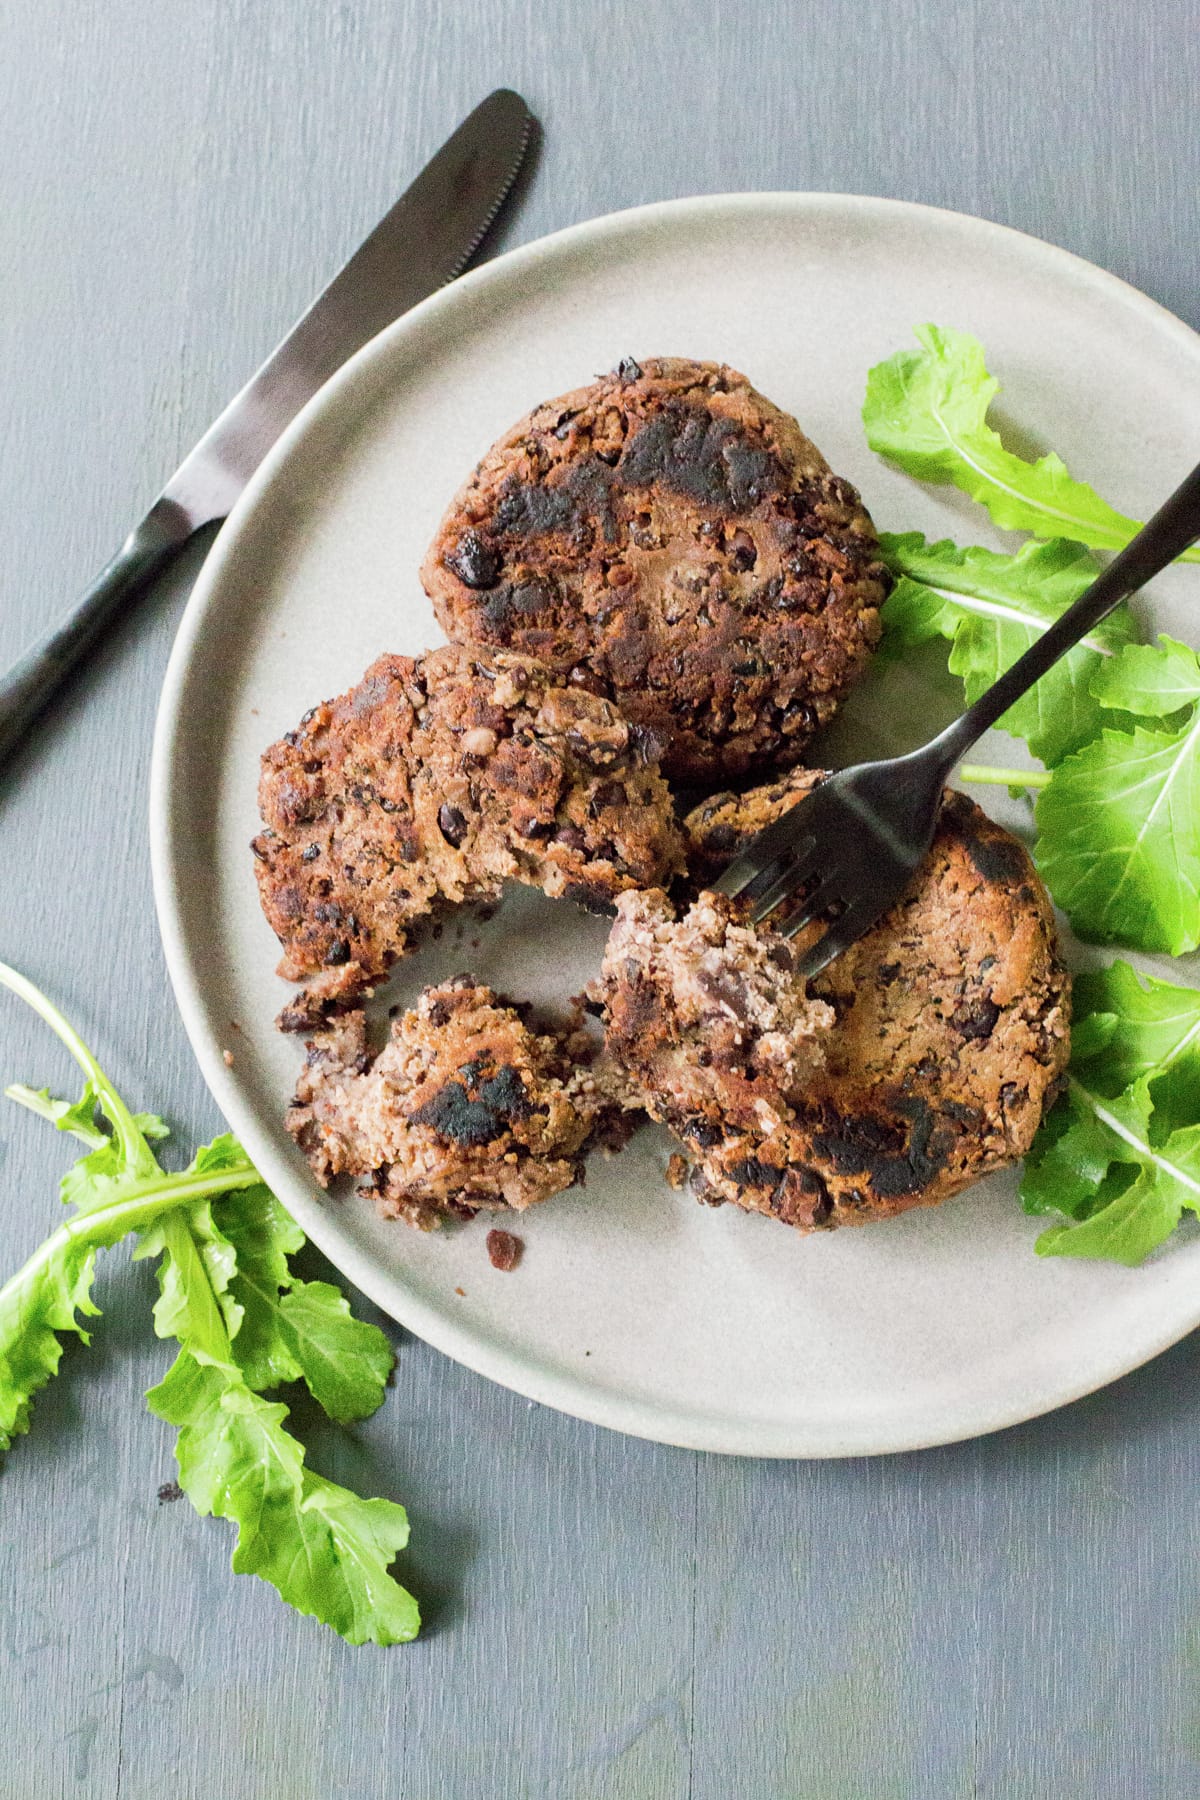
27, 687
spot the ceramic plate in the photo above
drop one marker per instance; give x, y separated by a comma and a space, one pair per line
633, 1306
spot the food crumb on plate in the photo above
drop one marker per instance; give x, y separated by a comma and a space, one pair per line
461, 1292
677, 1170
227, 1058
170, 1490
504, 1250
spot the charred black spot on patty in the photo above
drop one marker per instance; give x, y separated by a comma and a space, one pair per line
516, 602
566, 508
997, 858
475, 562
749, 1171
897, 1158
709, 459
479, 1118
505, 1093
976, 1019
453, 1114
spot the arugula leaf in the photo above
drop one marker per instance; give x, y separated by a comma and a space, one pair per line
343, 1361
263, 1236
243, 1321
196, 1265
80, 1118
326, 1550
1151, 680
44, 1297
295, 1330
116, 1188
1118, 1157
1129, 1026
993, 607
52, 1291
1122, 1222
926, 411
203, 1241
323, 1548
1119, 822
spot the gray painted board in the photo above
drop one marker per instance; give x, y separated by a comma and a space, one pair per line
608, 1620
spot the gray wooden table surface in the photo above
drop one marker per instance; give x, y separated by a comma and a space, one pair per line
1017, 1618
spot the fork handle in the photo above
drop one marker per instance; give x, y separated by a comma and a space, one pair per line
28, 685
1173, 528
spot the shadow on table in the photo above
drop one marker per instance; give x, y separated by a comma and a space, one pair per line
1164, 1392
1144, 1405
370, 1458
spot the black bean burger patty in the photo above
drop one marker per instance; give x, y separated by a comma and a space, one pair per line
945, 1029
433, 782
670, 540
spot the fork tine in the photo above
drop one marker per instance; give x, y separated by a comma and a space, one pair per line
765, 856
824, 895
745, 876
842, 932
819, 955
738, 875
796, 871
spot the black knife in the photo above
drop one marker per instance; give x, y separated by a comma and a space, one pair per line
428, 237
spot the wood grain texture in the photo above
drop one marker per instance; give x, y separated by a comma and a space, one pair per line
1016, 1619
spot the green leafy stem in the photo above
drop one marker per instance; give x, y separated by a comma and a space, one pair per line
245, 1322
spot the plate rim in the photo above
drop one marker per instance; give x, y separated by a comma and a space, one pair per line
596, 1404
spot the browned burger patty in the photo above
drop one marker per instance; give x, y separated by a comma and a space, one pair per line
437, 779
949, 1030
669, 539
466, 1107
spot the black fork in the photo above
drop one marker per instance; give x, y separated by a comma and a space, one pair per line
848, 849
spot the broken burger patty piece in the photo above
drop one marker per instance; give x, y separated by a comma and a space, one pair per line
466, 1107
671, 540
949, 1033
699, 1012
437, 779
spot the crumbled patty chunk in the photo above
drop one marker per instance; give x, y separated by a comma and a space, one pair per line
504, 1250
435, 780
467, 1106
700, 1013
949, 1034
669, 539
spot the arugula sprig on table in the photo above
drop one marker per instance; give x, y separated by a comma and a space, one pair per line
244, 1321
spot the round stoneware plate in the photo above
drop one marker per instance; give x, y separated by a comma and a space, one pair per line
633, 1306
